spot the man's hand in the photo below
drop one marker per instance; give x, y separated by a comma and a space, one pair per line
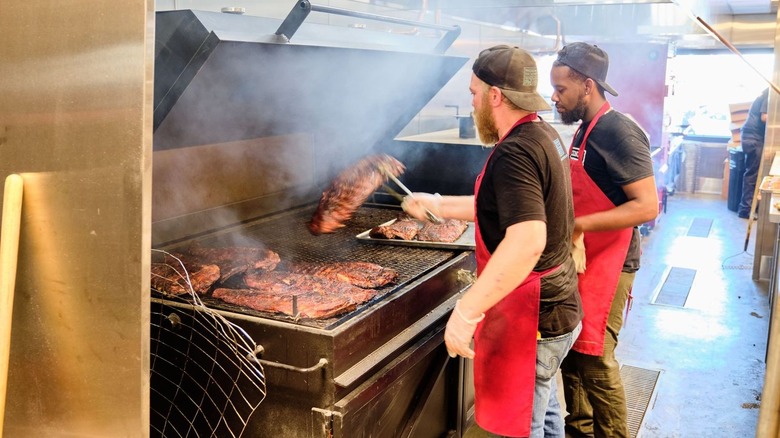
415, 205
459, 331
578, 252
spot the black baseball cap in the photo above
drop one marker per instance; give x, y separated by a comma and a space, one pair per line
513, 71
589, 60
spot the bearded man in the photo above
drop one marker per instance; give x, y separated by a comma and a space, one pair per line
614, 191
523, 311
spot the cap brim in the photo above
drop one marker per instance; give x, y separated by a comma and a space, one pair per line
607, 88
527, 101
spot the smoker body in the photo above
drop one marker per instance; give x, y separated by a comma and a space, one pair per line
249, 128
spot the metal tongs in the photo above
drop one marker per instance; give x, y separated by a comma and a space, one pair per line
429, 214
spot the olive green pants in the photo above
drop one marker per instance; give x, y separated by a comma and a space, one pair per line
592, 387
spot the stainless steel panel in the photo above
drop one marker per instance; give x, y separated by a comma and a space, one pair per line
766, 239
75, 121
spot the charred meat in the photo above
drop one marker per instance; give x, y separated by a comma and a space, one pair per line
309, 305
360, 274
315, 297
404, 228
235, 260
288, 282
349, 190
448, 231
170, 277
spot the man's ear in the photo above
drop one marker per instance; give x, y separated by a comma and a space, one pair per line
589, 86
495, 96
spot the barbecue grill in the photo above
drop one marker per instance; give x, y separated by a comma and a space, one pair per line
253, 117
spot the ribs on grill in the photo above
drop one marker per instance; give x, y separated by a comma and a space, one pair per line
349, 190
316, 297
361, 274
170, 277
234, 260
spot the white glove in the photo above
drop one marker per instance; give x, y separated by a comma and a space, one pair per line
415, 205
578, 253
459, 331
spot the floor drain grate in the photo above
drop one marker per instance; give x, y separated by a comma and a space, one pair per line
640, 384
676, 287
700, 227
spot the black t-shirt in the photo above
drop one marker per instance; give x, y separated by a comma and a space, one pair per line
527, 178
617, 154
754, 128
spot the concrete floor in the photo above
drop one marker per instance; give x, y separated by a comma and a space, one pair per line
709, 352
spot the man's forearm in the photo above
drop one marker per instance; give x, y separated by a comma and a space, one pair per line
457, 207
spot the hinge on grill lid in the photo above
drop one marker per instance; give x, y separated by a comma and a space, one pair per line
322, 424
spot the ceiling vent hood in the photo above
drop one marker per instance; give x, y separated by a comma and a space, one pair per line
225, 77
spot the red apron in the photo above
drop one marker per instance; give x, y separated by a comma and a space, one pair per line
505, 347
605, 252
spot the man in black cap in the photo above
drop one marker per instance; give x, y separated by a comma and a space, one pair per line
523, 310
752, 137
614, 191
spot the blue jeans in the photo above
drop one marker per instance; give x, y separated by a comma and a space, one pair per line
547, 421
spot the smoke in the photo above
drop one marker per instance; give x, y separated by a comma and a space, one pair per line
263, 127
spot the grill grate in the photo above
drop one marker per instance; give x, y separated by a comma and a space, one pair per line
288, 235
204, 379
639, 384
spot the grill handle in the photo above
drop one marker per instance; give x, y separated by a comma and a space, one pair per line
302, 9
259, 352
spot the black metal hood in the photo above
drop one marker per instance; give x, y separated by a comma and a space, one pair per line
225, 77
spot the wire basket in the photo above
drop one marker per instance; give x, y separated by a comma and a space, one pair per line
205, 380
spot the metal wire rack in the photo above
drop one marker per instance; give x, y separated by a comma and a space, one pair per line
205, 380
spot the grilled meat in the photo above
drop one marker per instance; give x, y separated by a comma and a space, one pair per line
361, 274
235, 260
448, 231
288, 282
317, 297
310, 305
170, 278
349, 190
404, 228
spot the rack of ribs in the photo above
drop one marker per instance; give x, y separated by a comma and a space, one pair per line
169, 277
349, 190
315, 297
448, 231
405, 227
361, 274
234, 260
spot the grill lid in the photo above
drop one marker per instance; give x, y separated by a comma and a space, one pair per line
218, 78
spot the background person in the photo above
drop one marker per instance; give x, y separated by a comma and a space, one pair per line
752, 138
614, 191
523, 310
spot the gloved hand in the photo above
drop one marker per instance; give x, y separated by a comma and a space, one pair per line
459, 331
415, 205
578, 252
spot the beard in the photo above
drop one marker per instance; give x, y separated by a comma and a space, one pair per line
485, 123
575, 114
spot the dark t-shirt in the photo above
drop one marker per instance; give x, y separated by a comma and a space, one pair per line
754, 128
527, 178
617, 154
